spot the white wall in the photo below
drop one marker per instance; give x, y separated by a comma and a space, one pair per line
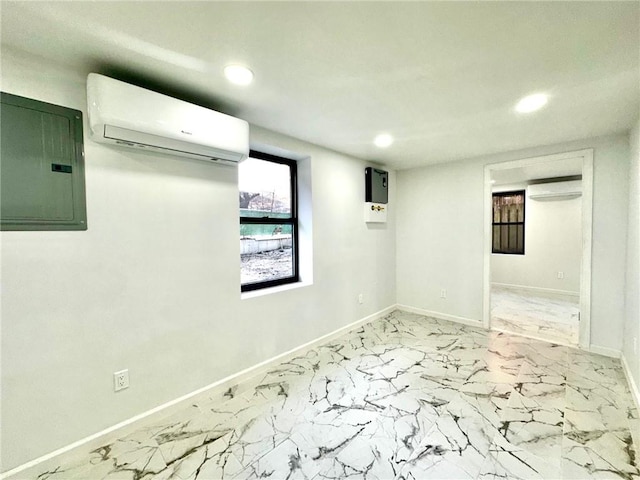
440, 235
154, 285
553, 243
632, 298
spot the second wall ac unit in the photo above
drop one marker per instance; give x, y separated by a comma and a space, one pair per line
555, 190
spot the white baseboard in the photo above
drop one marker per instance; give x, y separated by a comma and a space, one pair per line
633, 386
605, 351
551, 291
123, 428
444, 316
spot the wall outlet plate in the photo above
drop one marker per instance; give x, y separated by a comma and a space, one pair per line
121, 380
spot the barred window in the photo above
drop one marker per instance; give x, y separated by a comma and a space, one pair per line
508, 222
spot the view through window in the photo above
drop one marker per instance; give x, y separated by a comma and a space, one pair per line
508, 222
268, 221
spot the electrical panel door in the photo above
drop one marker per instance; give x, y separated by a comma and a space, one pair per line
41, 166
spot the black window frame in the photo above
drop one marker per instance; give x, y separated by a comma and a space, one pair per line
507, 224
292, 220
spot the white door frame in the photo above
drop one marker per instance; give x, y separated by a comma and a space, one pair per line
584, 339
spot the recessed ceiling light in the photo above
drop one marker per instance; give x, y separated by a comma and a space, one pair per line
238, 74
383, 140
532, 103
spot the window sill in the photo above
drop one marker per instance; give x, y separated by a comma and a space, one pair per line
272, 290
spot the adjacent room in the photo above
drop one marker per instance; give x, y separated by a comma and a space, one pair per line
322, 240
536, 253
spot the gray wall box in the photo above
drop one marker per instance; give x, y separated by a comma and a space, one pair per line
41, 166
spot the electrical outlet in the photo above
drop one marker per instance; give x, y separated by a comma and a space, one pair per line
361, 298
560, 275
121, 380
443, 293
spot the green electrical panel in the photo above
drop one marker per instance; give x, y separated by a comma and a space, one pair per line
41, 166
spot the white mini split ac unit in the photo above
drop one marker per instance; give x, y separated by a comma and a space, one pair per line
555, 190
131, 116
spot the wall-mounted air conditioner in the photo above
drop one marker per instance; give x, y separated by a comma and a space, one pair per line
131, 116
555, 190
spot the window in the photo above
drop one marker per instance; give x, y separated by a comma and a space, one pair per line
268, 221
508, 222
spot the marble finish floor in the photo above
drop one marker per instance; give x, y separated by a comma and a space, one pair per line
404, 397
547, 317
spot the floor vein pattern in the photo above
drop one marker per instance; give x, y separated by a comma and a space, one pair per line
404, 397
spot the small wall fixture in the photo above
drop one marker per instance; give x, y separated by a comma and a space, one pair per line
376, 195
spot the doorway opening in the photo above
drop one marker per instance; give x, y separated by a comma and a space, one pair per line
537, 257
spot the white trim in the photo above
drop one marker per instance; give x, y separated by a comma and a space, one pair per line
604, 351
488, 241
272, 290
633, 386
587, 234
115, 431
595, 349
537, 289
554, 157
443, 316
535, 337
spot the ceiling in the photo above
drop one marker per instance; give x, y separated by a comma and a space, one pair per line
441, 77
